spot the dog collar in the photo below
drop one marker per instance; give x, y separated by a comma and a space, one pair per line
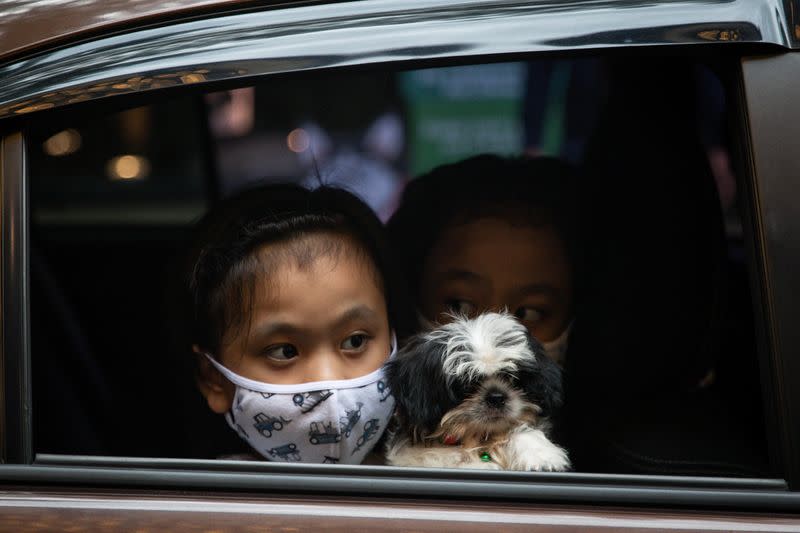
450, 440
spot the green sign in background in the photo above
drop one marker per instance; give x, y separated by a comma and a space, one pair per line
457, 112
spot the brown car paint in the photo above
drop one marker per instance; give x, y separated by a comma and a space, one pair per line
24, 511
26, 25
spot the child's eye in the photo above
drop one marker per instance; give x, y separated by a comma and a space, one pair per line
460, 307
355, 342
528, 314
281, 352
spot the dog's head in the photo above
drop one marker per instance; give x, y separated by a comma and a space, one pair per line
473, 378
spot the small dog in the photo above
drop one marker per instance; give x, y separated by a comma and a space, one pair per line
475, 393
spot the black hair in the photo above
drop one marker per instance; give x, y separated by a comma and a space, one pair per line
537, 191
224, 257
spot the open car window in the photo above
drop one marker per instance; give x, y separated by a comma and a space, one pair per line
662, 364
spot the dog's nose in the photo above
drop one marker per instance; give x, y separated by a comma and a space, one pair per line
496, 399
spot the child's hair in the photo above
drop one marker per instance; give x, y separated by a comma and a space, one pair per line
224, 261
529, 191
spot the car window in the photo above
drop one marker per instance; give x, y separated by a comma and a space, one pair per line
662, 362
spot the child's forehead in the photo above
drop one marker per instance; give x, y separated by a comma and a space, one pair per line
314, 254
511, 211
309, 248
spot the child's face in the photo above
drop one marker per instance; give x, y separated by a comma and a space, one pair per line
491, 264
327, 321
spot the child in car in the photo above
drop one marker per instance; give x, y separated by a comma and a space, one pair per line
293, 304
489, 233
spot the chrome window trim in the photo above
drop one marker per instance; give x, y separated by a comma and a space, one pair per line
381, 471
372, 31
478, 486
16, 432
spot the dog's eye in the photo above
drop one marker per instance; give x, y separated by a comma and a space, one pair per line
528, 314
460, 307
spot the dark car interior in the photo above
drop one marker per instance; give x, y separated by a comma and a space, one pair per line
662, 372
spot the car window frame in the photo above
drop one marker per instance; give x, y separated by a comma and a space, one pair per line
15, 360
774, 169
120, 471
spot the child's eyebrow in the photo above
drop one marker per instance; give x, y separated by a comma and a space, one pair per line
275, 328
537, 288
456, 274
357, 312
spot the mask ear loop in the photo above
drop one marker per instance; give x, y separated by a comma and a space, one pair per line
392, 346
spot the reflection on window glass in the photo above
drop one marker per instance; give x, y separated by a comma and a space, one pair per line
140, 166
662, 316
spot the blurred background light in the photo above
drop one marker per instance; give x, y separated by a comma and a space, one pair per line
298, 140
63, 143
128, 167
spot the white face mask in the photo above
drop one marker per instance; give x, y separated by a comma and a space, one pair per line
556, 349
319, 422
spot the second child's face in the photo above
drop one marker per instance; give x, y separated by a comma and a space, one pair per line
490, 264
327, 321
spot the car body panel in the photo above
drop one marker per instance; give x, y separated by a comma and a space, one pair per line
110, 511
29, 25
369, 32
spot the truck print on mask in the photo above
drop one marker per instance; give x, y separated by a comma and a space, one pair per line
266, 424
370, 428
286, 452
323, 433
309, 400
383, 390
351, 418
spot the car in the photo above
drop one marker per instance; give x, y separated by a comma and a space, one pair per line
121, 126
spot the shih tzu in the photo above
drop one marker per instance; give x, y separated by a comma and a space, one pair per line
475, 393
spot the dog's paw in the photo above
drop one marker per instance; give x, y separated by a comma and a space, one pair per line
531, 450
553, 459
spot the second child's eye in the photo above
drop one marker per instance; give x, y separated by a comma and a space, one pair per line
355, 343
460, 307
281, 352
528, 314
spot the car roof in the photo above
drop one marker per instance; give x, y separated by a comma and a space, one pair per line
30, 25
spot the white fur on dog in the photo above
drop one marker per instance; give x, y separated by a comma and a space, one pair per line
488, 344
530, 449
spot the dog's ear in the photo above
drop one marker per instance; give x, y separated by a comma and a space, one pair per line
419, 385
542, 380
